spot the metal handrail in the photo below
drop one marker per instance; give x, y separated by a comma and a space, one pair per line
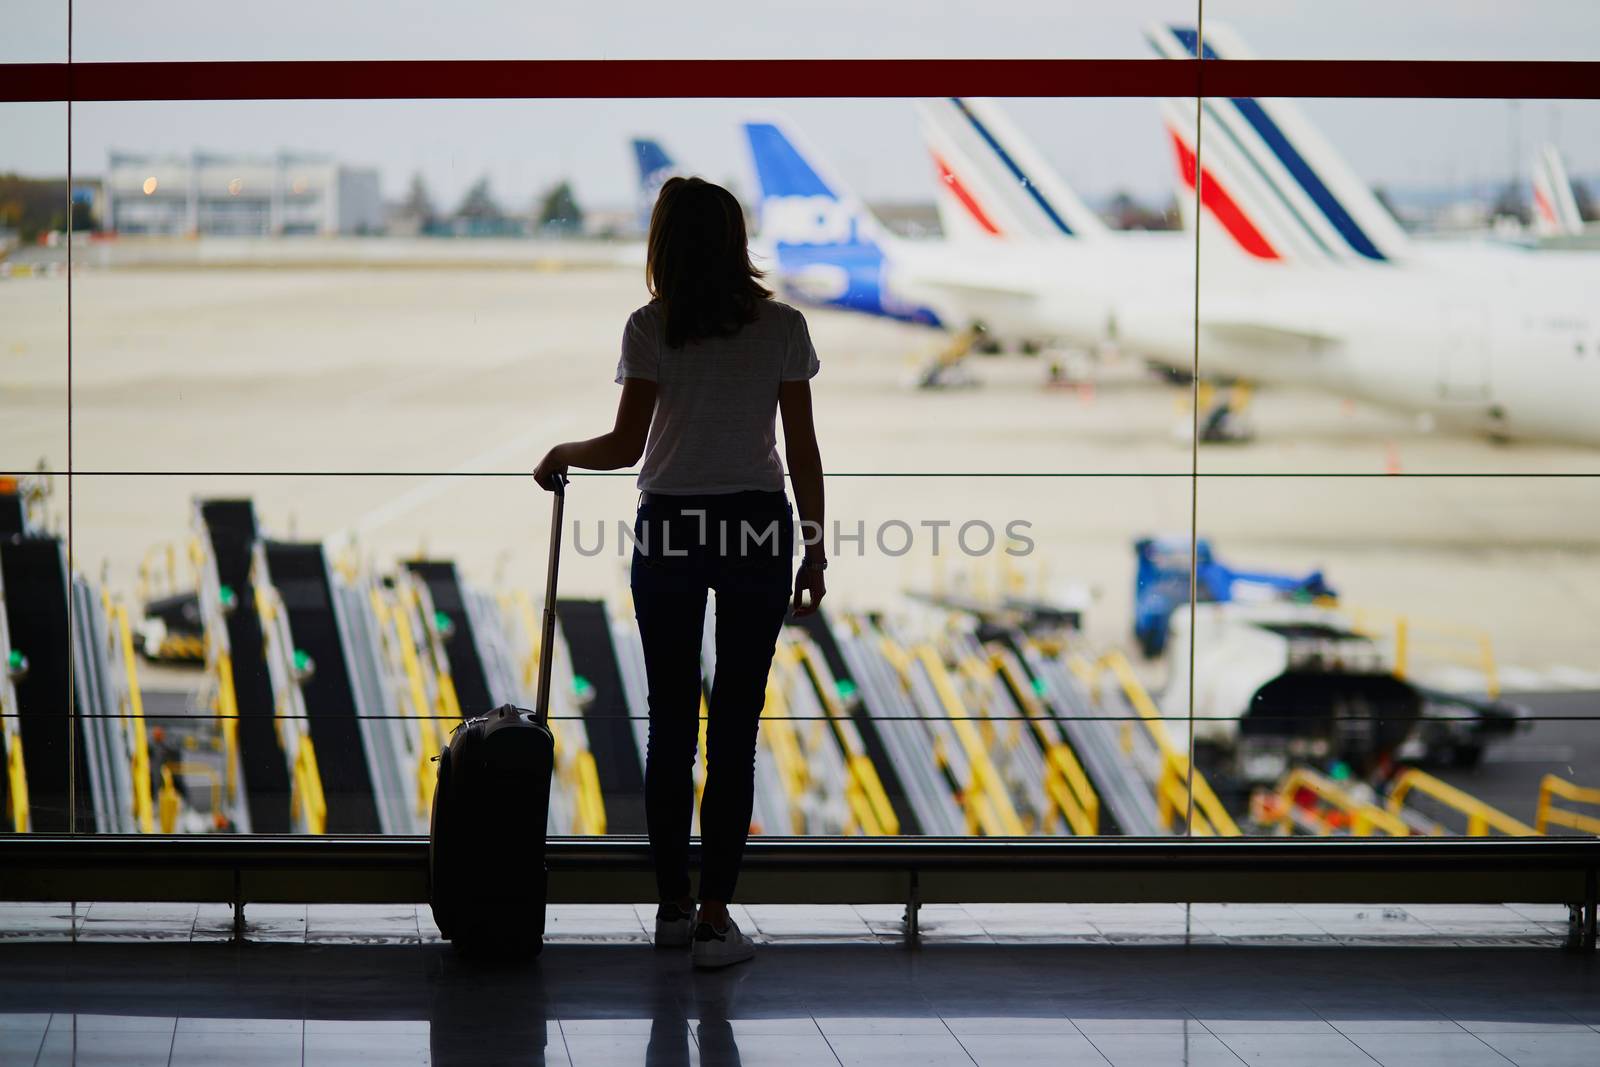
1173, 785
1443, 638
139, 758
782, 741
869, 802
1481, 817
1553, 785
591, 806
17, 781
1365, 817
228, 712
1066, 783
986, 792
308, 799
170, 770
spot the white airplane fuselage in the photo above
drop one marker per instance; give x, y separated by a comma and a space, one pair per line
1486, 338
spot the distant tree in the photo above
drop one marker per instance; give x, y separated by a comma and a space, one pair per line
479, 204
418, 204
33, 206
559, 211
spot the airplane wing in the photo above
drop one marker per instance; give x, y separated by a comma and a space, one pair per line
996, 303
1259, 333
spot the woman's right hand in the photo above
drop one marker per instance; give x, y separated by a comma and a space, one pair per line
552, 469
808, 580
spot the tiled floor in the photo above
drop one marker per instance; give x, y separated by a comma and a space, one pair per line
1139, 986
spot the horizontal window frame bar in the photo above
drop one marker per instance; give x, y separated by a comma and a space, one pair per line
248, 869
606, 79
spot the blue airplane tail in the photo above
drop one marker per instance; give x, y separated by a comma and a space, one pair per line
655, 167
830, 251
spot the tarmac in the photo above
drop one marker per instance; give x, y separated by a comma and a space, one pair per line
397, 411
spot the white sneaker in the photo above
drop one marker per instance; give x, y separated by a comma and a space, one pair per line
719, 948
673, 925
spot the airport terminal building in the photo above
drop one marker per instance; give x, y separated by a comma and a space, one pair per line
213, 195
1207, 670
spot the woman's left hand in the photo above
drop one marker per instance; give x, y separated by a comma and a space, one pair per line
551, 468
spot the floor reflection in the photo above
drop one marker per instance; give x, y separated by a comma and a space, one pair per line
589, 1005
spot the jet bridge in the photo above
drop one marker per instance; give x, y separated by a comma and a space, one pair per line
609, 718
799, 778
887, 707
1097, 735
14, 816
76, 753
33, 577
226, 539
959, 744
875, 747
453, 620
345, 733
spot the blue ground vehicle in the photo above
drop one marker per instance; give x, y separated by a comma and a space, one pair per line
1161, 585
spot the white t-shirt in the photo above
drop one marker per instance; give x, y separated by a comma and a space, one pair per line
714, 428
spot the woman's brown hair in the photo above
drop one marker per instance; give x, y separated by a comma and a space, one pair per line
697, 262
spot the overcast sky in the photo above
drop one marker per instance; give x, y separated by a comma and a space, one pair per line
1100, 145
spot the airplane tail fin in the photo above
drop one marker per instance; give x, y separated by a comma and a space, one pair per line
801, 205
1267, 176
993, 183
1555, 209
655, 167
828, 247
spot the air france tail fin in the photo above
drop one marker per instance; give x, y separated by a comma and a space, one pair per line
655, 167
1555, 209
1267, 176
993, 183
828, 247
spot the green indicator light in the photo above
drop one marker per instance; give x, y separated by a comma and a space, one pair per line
302, 660
581, 685
441, 621
847, 688
1038, 686
1340, 771
226, 596
15, 661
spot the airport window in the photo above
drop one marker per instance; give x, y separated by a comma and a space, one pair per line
1211, 480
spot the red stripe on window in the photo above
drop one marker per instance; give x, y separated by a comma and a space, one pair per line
1216, 199
696, 78
948, 177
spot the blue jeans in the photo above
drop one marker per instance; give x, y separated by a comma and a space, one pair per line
742, 546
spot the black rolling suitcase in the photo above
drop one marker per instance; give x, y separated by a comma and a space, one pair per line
490, 805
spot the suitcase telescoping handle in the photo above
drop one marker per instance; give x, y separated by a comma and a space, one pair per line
547, 635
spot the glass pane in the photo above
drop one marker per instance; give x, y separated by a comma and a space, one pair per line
430, 386
1475, 349
1418, 645
36, 32
491, 29
296, 670
35, 648
409, 328
33, 285
1420, 29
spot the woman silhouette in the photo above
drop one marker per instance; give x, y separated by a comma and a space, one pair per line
706, 366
